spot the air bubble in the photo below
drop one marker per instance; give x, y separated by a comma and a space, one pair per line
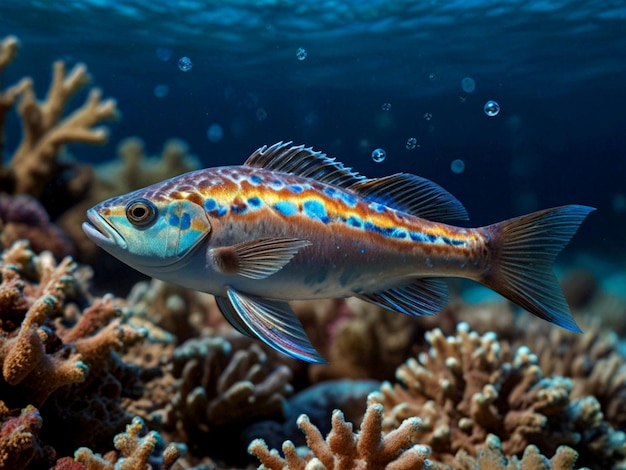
379, 155
184, 63
457, 166
468, 85
411, 143
491, 108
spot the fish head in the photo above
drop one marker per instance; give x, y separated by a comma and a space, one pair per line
147, 229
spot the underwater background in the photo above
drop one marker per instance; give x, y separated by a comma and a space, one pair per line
416, 79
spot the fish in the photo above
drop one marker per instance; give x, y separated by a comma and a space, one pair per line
292, 223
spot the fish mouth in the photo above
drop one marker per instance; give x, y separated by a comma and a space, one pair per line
102, 233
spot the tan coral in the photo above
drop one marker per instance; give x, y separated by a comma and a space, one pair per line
592, 360
468, 386
344, 450
218, 386
134, 452
23, 355
45, 130
490, 457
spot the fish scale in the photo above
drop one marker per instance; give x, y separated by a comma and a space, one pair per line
294, 224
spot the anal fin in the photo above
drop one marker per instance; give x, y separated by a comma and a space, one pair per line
272, 321
424, 296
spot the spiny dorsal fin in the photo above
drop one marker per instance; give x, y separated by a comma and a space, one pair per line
298, 160
414, 195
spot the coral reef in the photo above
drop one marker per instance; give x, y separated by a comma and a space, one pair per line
60, 362
342, 449
36, 161
468, 386
216, 388
23, 217
19, 441
134, 451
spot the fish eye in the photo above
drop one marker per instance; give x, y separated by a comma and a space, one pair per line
141, 212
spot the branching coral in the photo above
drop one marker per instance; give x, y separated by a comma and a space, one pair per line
135, 452
35, 162
60, 357
468, 386
593, 360
344, 450
183, 312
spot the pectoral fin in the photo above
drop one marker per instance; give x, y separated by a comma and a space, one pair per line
255, 259
273, 322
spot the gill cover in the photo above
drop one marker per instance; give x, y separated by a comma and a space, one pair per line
177, 227
187, 224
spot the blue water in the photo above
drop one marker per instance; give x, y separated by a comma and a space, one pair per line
556, 68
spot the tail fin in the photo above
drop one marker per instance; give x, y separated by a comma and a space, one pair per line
522, 251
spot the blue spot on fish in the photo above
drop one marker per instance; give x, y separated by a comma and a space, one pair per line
174, 220
330, 191
315, 210
376, 207
254, 202
222, 210
417, 237
455, 242
399, 233
255, 179
296, 188
355, 221
185, 221
210, 205
286, 208
349, 199
238, 208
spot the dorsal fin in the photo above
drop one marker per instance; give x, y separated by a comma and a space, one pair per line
414, 195
298, 160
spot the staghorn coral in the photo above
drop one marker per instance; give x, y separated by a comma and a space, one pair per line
135, 450
35, 162
342, 449
468, 386
26, 363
